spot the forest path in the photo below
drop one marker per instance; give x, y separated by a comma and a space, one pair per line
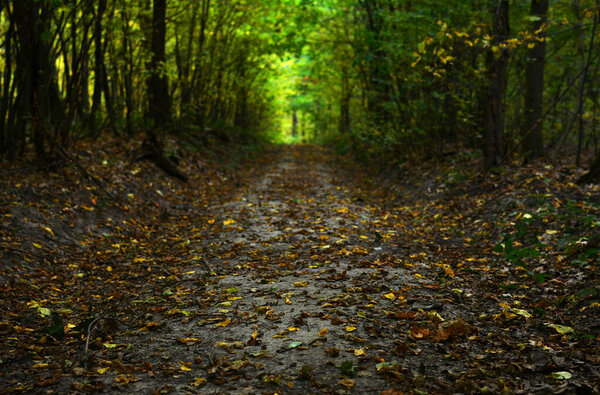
311, 293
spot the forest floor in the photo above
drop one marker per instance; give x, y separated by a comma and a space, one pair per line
296, 273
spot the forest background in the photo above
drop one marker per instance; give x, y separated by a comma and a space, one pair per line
380, 78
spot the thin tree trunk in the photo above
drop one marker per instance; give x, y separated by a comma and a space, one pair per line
586, 67
127, 73
159, 105
534, 81
344, 121
494, 131
6, 141
99, 69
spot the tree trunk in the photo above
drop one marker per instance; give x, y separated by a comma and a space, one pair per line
101, 80
38, 98
294, 123
493, 148
378, 97
159, 105
6, 141
344, 121
159, 102
533, 144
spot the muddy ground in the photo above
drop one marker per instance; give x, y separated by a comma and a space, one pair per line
292, 275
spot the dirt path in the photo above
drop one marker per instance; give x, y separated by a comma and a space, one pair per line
304, 277
311, 295
313, 289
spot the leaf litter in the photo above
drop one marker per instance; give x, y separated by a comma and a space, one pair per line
299, 274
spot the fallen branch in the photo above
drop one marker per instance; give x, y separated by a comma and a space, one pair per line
152, 152
87, 174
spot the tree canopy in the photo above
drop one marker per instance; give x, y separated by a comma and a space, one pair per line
384, 78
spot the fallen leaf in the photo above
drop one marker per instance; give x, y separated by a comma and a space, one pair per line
522, 312
224, 323
48, 230
390, 296
563, 330
347, 383
561, 375
347, 368
185, 366
359, 352
294, 344
188, 340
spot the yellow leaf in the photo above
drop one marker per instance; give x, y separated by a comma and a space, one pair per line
287, 301
37, 245
522, 312
293, 329
342, 210
323, 332
199, 381
211, 221
594, 304
228, 222
50, 231
350, 328
40, 366
230, 345
551, 232
102, 370
449, 272
390, 296
359, 352
300, 283
109, 268
185, 368
508, 314
186, 340
563, 330
224, 323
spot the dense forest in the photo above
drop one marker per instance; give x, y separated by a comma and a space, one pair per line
300, 196
376, 77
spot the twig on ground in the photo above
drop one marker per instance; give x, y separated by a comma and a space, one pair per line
210, 270
87, 174
87, 340
13, 249
163, 269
